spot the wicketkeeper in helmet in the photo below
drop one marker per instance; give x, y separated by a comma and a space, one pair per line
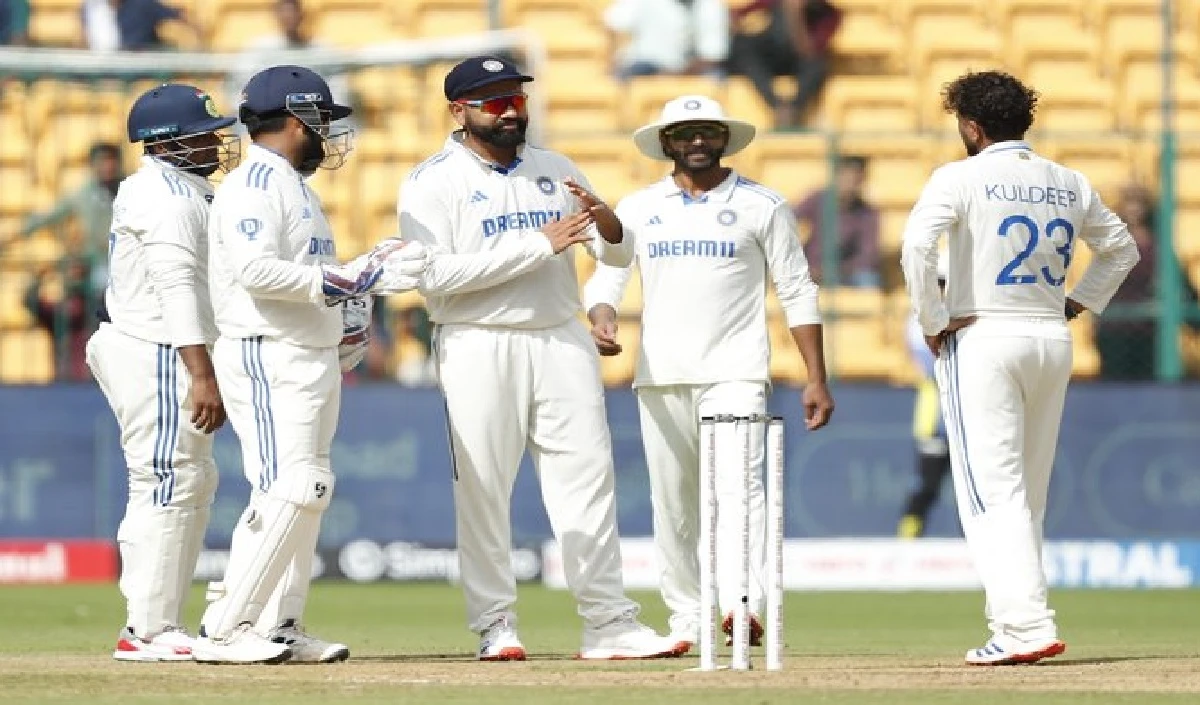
152, 360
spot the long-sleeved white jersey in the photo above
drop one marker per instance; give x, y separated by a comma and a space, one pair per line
158, 257
704, 266
269, 237
456, 202
1013, 218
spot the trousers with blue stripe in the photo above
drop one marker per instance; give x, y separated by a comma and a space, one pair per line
283, 402
1003, 386
172, 476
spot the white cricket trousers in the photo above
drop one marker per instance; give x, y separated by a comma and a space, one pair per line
670, 419
172, 476
1003, 385
283, 401
508, 391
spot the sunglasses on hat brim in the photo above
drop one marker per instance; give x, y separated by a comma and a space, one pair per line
499, 104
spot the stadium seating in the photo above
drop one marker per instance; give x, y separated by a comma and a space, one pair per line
1096, 63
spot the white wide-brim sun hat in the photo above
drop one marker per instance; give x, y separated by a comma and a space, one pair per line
692, 108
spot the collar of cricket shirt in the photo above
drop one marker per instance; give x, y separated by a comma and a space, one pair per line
455, 141
259, 153
721, 193
1006, 146
187, 176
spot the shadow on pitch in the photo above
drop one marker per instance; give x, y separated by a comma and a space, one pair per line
450, 658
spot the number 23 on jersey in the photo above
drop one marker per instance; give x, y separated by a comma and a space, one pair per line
1018, 271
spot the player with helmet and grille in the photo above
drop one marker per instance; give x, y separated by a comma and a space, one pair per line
151, 359
278, 298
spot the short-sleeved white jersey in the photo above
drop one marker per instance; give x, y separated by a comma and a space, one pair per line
263, 211
457, 202
704, 266
1013, 219
160, 214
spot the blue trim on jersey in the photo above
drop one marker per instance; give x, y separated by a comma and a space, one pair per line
259, 175
264, 420
973, 497
166, 428
505, 170
757, 188
435, 159
170, 183
1011, 147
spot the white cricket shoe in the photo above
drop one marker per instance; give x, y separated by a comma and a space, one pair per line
174, 644
243, 645
305, 647
627, 638
499, 642
1000, 651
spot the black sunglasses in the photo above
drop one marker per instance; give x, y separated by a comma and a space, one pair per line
687, 133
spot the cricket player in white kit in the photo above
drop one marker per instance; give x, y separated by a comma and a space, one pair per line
516, 366
1003, 346
705, 240
160, 316
273, 273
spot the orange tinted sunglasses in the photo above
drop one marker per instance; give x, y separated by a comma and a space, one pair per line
498, 105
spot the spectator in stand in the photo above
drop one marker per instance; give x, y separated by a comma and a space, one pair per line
784, 38
91, 207
68, 318
416, 368
679, 37
1128, 347
857, 228
14, 22
129, 25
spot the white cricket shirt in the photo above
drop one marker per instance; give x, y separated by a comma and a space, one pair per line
704, 266
456, 202
158, 257
268, 237
1013, 219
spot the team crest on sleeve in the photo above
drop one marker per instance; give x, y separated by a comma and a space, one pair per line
545, 185
249, 227
726, 217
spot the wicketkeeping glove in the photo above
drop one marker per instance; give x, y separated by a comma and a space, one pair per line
381, 270
356, 331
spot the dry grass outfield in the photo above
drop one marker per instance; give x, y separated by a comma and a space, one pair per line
409, 646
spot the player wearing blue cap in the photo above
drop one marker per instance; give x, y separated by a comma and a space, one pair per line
274, 275
158, 303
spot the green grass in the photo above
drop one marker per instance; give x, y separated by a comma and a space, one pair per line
410, 644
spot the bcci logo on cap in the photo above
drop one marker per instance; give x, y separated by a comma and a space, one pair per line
492, 65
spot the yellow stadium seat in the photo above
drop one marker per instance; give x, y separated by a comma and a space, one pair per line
793, 165
964, 38
1102, 12
908, 13
1187, 234
743, 102
55, 23
355, 23
1015, 14
605, 161
870, 104
582, 109
235, 24
1187, 173
439, 18
16, 191
786, 363
26, 357
1077, 109
1130, 39
891, 228
1085, 362
869, 34
1106, 161
898, 169
13, 313
618, 370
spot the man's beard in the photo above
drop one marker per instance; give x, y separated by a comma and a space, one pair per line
313, 155
496, 136
686, 159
